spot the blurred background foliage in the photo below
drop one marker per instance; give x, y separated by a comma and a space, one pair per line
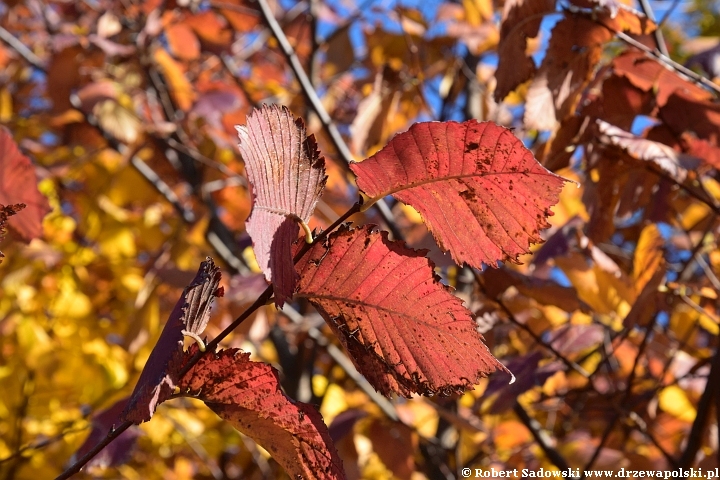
127, 112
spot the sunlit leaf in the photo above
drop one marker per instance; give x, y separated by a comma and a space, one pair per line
403, 330
480, 191
248, 395
288, 177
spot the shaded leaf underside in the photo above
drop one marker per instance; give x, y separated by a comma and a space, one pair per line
481, 193
248, 395
403, 329
160, 375
288, 177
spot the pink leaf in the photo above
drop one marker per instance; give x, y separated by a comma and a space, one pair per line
248, 395
480, 191
160, 375
18, 184
288, 177
403, 329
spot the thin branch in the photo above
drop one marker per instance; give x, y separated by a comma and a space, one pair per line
20, 48
541, 437
572, 365
312, 96
82, 461
345, 363
702, 418
657, 34
666, 60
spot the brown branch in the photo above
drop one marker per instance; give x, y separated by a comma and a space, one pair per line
541, 437
666, 60
702, 418
657, 34
82, 461
22, 50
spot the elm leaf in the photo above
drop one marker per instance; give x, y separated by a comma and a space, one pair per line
18, 184
403, 329
481, 193
5, 212
248, 395
189, 317
288, 177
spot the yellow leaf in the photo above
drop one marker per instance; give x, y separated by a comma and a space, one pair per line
333, 404
6, 105
180, 88
674, 401
648, 256
117, 243
476, 11
511, 434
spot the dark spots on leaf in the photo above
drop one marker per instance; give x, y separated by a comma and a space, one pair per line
471, 147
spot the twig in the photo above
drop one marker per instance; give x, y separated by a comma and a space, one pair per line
542, 438
341, 359
669, 12
572, 365
82, 461
666, 60
659, 40
702, 417
317, 105
20, 48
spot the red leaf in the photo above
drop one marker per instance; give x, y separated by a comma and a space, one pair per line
288, 177
18, 184
403, 329
480, 191
160, 375
5, 212
248, 395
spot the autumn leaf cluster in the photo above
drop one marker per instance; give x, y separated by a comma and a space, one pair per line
119, 138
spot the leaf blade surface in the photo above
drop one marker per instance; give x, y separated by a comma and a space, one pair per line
479, 190
403, 329
248, 395
288, 177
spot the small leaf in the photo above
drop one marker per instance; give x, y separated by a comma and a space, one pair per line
403, 329
181, 89
480, 191
160, 375
248, 395
675, 164
649, 256
288, 177
18, 184
5, 212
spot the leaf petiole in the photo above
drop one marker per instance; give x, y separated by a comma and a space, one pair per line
308, 232
196, 337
